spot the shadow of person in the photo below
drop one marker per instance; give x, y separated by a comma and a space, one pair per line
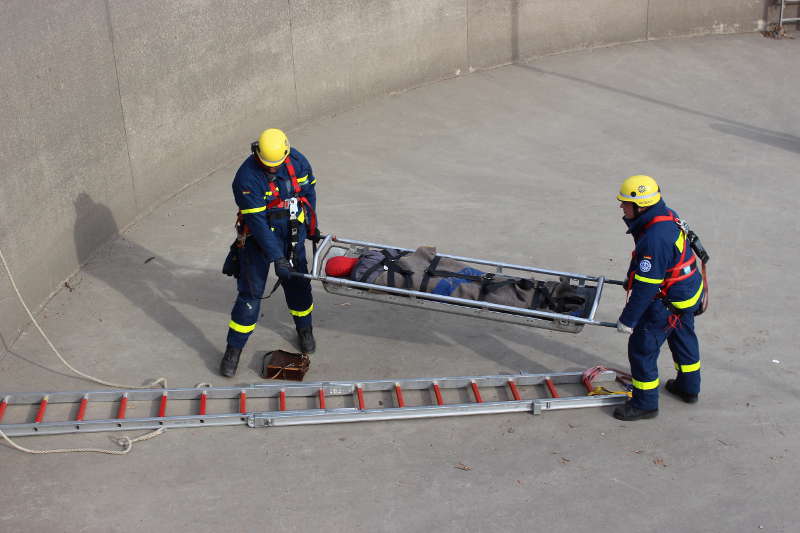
151, 283
495, 341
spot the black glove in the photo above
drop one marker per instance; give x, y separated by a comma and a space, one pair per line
283, 269
232, 266
315, 237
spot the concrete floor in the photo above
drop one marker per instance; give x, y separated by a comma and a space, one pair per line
518, 164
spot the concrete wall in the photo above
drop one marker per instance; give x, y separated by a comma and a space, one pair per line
111, 106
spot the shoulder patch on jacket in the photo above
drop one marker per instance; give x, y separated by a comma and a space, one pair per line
645, 265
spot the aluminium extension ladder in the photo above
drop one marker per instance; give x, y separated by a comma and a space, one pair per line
311, 403
785, 19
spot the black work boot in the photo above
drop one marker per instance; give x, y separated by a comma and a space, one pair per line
629, 413
671, 387
306, 340
230, 361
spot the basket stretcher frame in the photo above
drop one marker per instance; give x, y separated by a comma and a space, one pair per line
459, 306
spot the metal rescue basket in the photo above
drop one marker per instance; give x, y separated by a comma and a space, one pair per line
590, 287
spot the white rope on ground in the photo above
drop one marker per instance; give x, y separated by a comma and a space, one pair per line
125, 442
160, 381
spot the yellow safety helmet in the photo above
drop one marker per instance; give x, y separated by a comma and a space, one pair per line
272, 148
640, 190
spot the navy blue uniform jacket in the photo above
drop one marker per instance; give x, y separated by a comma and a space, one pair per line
252, 194
658, 249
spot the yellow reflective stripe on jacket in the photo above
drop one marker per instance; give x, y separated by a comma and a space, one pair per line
645, 385
680, 242
691, 301
648, 280
302, 217
694, 367
253, 210
302, 313
303, 179
240, 328
313, 182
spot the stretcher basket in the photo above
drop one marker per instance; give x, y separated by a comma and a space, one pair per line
590, 287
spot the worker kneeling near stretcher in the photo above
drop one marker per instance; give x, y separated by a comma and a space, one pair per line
424, 271
666, 291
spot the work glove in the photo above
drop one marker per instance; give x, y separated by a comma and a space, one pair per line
283, 269
622, 328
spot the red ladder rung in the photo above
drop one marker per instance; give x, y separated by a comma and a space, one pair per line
551, 388
42, 409
401, 402
360, 394
321, 398
203, 402
3, 405
514, 390
243, 402
123, 406
282, 405
82, 408
162, 408
438, 394
476, 392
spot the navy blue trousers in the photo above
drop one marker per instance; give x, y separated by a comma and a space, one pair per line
644, 346
251, 284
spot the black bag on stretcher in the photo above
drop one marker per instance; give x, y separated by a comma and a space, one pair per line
424, 271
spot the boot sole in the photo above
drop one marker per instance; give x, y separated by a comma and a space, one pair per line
642, 416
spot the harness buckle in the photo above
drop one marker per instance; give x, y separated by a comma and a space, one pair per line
488, 276
294, 208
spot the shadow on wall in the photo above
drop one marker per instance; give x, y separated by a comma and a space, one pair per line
151, 283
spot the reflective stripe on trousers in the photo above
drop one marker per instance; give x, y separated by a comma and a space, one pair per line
643, 349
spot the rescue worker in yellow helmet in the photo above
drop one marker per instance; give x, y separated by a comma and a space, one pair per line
275, 192
665, 289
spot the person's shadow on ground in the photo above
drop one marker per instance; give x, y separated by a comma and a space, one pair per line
150, 282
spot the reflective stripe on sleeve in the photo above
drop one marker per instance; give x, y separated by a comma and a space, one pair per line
313, 182
303, 179
253, 210
685, 304
645, 385
643, 279
302, 313
240, 328
694, 367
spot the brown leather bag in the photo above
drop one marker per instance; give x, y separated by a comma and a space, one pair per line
279, 364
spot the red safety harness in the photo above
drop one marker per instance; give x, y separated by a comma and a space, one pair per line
278, 203
673, 274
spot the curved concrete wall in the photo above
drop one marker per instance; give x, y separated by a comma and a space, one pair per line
113, 105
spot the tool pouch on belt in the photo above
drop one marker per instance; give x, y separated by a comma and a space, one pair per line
231, 266
279, 364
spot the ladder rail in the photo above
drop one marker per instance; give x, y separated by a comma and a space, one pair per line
783, 19
272, 390
356, 390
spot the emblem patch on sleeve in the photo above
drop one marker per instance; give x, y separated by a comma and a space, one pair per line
645, 265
